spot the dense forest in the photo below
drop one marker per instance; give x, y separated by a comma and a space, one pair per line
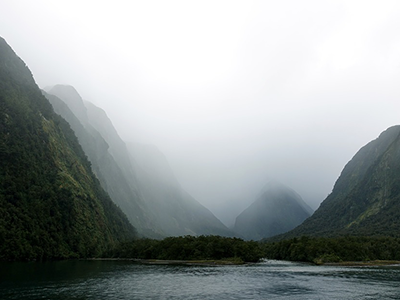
325, 250
317, 250
190, 248
51, 204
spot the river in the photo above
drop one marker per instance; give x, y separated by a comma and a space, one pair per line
110, 280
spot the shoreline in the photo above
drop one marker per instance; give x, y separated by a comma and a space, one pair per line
364, 263
205, 262
190, 262
202, 262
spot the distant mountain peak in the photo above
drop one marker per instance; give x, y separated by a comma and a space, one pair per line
69, 92
72, 98
274, 185
278, 209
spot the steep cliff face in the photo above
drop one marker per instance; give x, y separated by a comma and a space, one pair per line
137, 177
51, 204
278, 209
120, 183
366, 197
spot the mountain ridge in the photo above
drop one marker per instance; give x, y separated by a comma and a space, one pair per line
365, 199
276, 210
169, 210
120, 183
51, 204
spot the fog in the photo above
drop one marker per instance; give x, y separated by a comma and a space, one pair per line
234, 93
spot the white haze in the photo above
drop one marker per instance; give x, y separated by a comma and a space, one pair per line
234, 93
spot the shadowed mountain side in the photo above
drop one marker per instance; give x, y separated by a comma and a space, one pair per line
95, 119
121, 189
163, 206
99, 120
366, 197
150, 158
51, 204
178, 213
278, 209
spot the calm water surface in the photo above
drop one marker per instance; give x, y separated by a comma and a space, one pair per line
127, 280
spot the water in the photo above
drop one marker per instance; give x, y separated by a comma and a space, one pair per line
126, 280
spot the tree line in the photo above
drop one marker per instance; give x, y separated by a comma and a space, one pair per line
190, 248
325, 250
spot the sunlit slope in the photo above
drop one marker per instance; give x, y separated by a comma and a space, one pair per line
51, 204
278, 209
366, 197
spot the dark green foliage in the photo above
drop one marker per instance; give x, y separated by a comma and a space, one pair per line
324, 250
120, 187
190, 248
51, 204
365, 200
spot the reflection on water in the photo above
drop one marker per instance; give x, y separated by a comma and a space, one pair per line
127, 280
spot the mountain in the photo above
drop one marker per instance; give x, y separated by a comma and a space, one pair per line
118, 179
177, 212
138, 178
366, 197
278, 209
51, 204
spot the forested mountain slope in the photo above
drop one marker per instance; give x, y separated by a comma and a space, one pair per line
51, 204
148, 193
366, 197
120, 183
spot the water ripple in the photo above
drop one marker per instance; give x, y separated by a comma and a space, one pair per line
125, 280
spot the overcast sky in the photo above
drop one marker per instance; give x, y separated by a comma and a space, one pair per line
235, 93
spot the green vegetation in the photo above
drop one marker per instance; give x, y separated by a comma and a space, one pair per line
137, 177
53, 207
190, 248
365, 200
327, 250
316, 250
51, 204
